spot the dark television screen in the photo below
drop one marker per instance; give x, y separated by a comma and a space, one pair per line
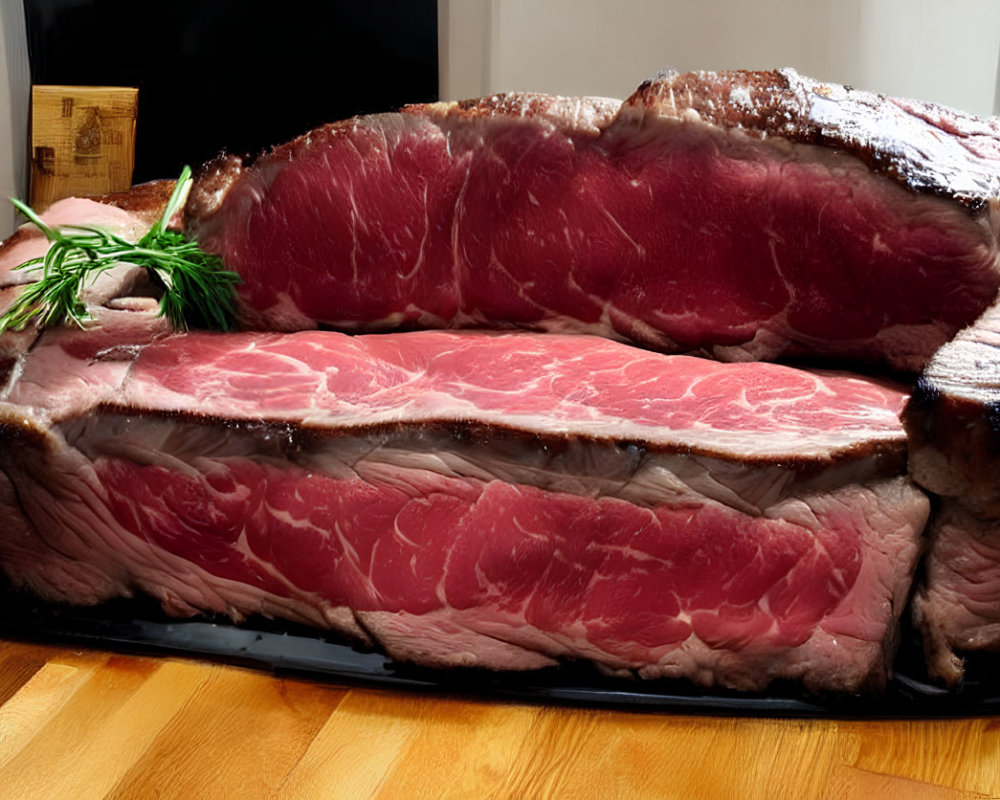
236, 75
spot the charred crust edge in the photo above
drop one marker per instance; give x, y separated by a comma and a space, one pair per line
779, 103
889, 455
145, 200
212, 182
925, 396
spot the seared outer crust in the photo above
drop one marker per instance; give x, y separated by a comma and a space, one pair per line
924, 146
886, 457
927, 147
588, 115
212, 182
145, 200
585, 116
952, 419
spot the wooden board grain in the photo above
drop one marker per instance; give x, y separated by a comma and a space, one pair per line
82, 141
90, 724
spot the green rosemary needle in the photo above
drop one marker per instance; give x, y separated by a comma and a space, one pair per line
198, 292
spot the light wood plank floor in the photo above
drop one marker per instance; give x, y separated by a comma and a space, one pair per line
90, 724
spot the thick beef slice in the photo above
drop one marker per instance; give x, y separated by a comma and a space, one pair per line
953, 428
746, 215
504, 501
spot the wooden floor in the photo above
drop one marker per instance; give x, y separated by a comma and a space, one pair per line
88, 724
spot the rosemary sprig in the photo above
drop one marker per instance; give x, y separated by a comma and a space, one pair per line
197, 290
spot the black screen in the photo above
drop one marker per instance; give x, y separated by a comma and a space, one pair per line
236, 75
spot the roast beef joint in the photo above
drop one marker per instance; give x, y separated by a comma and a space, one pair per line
472, 499
504, 395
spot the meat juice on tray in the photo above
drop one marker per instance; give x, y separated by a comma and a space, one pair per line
515, 500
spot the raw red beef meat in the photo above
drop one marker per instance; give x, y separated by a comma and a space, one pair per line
747, 215
504, 501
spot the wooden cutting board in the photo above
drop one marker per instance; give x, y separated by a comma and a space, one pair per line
90, 724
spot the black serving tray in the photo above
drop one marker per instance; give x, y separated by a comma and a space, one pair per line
139, 626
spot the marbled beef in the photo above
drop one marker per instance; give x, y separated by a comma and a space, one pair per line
748, 215
462, 498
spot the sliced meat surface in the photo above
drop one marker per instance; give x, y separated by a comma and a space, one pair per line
746, 215
503, 501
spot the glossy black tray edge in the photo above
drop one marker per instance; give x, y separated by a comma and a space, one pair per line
137, 626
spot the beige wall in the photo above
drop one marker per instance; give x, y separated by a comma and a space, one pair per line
14, 103
941, 50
